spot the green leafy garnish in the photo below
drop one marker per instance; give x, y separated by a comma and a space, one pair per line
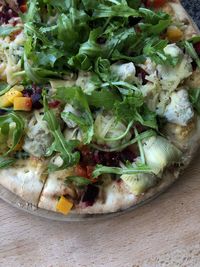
4, 88
12, 128
129, 169
140, 137
192, 52
132, 108
59, 44
60, 145
194, 95
78, 181
6, 162
104, 98
85, 120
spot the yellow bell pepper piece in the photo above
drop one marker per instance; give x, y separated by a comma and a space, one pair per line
174, 34
7, 99
64, 205
14, 92
4, 102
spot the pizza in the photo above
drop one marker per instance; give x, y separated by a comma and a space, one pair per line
99, 101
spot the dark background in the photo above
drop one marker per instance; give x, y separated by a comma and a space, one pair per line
193, 8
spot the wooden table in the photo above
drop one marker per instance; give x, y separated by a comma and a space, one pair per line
165, 232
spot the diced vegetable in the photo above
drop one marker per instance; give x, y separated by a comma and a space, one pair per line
7, 99
23, 8
64, 205
14, 92
174, 34
22, 103
4, 102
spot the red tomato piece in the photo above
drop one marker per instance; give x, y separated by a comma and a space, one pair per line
23, 8
54, 104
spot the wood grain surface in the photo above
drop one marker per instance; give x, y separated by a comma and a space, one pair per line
165, 232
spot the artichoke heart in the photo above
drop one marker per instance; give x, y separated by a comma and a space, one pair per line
160, 153
139, 183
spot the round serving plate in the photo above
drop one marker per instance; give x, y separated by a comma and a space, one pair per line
193, 9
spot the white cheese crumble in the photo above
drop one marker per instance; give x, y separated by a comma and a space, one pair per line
170, 77
85, 82
179, 110
125, 72
173, 50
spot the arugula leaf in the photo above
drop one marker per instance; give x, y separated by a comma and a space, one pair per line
127, 110
120, 136
60, 145
104, 98
116, 56
69, 28
78, 181
30, 72
6, 162
142, 155
154, 49
191, 52
134, 4
157, 29
91, 48
129, 169
132, 108
194, 96
140, 137
12, 127
194, 39
7, 30
102, 68
121, 10
32, 13
81, 62
4, 88
151, 17
85, 121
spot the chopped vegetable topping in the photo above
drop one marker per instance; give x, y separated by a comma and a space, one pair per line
64, 205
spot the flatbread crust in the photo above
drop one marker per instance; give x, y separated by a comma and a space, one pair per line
179, 13
25, 178
55, 187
